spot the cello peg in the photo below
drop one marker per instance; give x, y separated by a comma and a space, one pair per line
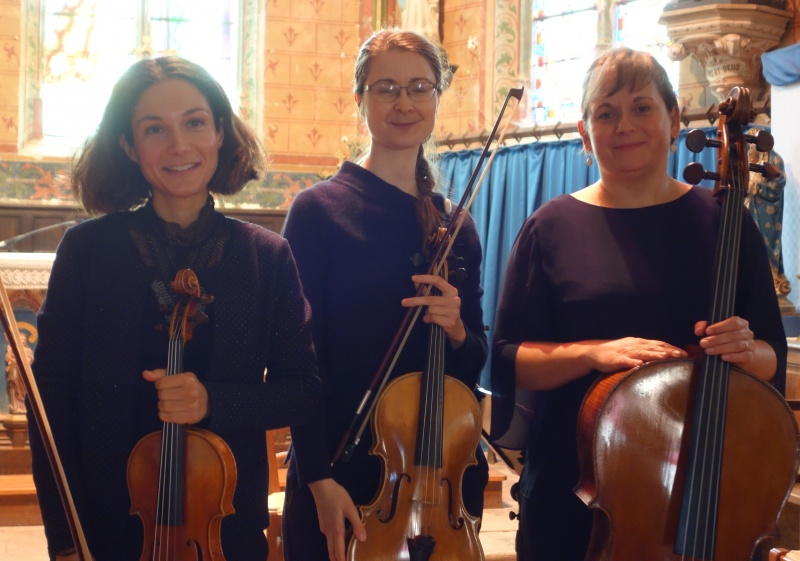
694, 173
767, 170
696, 141
763, 140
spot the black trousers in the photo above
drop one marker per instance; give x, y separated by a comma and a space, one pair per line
554, 525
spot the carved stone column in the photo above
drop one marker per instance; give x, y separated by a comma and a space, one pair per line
727, 38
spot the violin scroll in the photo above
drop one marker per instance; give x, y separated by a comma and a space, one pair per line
189, 311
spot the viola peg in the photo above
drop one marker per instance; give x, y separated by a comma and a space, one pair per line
767, 170
762, 140
513, 515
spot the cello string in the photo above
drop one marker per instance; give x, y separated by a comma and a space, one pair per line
733, 236
727, 266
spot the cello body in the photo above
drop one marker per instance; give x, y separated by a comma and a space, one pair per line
635, 425
415, 498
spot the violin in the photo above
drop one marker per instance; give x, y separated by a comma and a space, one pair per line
182, 480
426, 428
681, 460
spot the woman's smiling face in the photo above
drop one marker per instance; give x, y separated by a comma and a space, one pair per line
630, 131
175, 142
402, 123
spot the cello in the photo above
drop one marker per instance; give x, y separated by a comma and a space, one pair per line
165, 465
687, 461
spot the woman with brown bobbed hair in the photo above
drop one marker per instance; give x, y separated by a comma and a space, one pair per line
168, 139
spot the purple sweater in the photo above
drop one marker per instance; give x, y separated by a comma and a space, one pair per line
353, 238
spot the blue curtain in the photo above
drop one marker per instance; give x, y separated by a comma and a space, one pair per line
521, 179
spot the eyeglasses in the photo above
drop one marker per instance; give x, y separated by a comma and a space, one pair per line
419, 90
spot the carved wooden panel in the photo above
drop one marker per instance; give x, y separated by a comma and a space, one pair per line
49, 222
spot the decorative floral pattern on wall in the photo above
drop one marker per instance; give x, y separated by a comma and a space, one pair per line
506, 55
48, 182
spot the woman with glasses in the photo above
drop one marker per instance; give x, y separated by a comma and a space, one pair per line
358, 239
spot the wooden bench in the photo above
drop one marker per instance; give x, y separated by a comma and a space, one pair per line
493, 495
18, 503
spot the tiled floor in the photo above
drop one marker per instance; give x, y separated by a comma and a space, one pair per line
27, 543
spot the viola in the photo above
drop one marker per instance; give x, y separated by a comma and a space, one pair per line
182, 480
681, 460
419, 513
426, 428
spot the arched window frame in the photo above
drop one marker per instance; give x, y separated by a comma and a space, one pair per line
250, 79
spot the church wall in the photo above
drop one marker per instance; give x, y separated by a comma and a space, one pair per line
309, 118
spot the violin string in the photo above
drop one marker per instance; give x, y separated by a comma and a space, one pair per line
430, 461
440, 262
169, 544
164, 485
439, 455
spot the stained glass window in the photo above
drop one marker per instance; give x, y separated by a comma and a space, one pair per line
88, 44
565, 38
637, 27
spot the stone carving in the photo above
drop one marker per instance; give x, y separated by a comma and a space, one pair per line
727, 39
